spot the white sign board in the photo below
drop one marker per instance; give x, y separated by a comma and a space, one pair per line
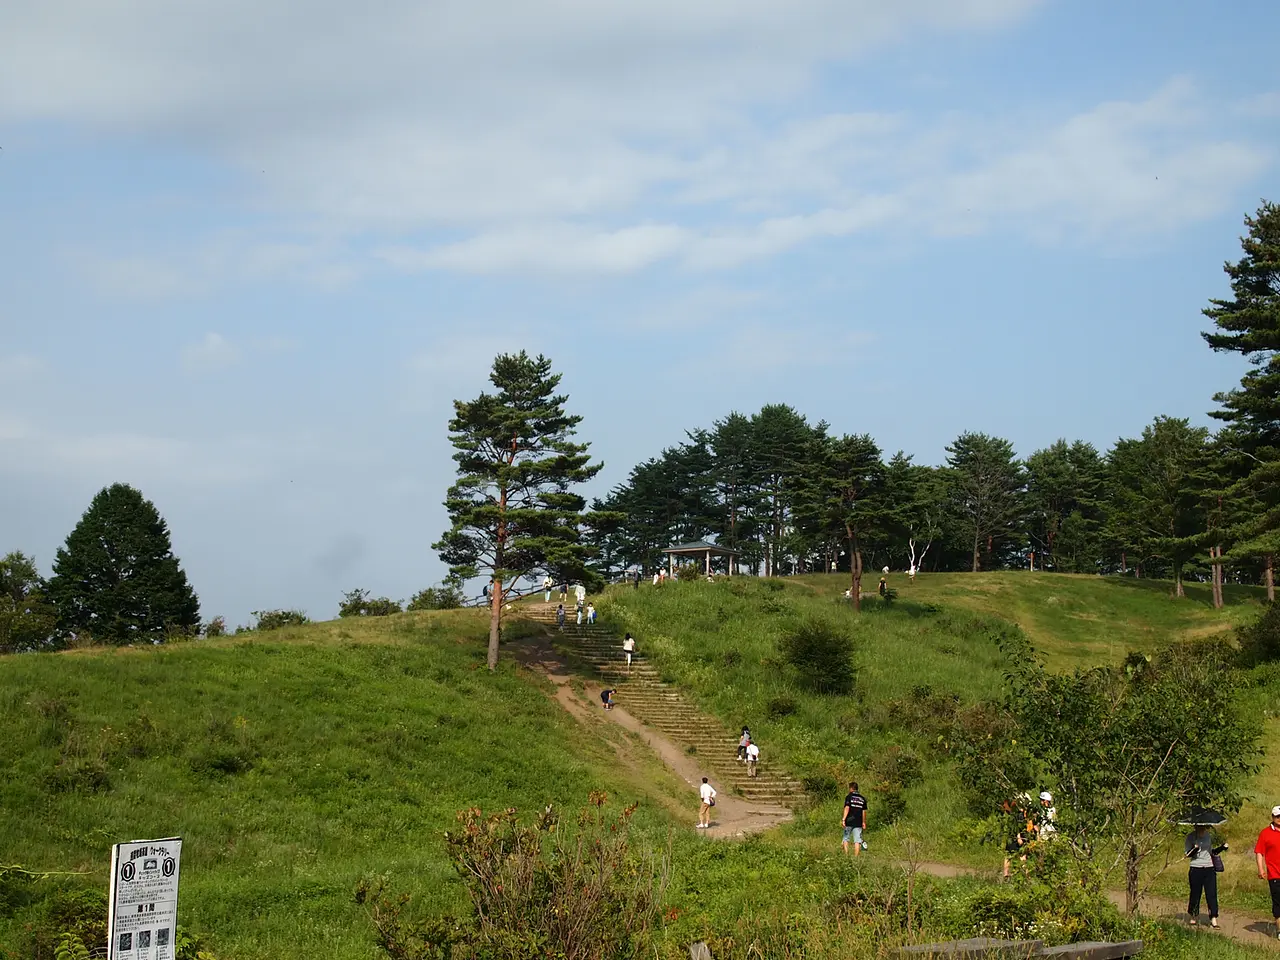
143, 914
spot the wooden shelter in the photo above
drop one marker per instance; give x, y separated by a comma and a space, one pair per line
700, 549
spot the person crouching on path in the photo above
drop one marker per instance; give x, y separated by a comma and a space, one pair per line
707, 793
753, 757
629, 648
854, 818
1268, 853
606, 698
1201, 875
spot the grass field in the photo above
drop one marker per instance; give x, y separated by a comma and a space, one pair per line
296, 762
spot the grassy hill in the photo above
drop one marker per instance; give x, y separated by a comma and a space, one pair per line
296, 762
292, 762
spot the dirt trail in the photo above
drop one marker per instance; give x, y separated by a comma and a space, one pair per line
733, 816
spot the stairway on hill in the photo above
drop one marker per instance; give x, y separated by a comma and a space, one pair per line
641, 690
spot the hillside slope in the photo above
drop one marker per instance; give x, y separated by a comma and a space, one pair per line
293, 763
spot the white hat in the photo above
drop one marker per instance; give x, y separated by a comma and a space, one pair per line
1046, 795
1275, 811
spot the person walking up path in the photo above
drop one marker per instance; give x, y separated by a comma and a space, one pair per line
547, 584
1267, 850
591, 614
1202, 874
560, 618
743, 741
854, 819
564, 591
629, 648
753, 757
579, 612
707, 794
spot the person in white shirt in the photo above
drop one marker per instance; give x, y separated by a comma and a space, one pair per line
629, 647
753, 757
547, 584
708, 795
591, 614
579, 593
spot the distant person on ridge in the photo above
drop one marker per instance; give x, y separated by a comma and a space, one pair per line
560, 617
854, 819
707, 794
629, 648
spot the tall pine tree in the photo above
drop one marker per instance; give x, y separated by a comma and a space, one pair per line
1249, 324
117, 577
511, 510
987, 485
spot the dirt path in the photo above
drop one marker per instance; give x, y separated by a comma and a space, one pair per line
1255, 930
733, 816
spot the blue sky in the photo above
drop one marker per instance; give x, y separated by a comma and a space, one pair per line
250, 252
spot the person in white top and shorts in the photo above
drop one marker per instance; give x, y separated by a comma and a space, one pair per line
629, 648
707, 793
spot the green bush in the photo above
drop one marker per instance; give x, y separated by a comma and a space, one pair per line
888, 803
822, 654
689, 572
276, 619
444, 597
358, 603
217, 627
780, 707
896, 768
1260, 641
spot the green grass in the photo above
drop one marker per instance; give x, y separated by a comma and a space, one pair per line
292, 763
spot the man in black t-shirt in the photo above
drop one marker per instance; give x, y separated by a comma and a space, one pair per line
854, 819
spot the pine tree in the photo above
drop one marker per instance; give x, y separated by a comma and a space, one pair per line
987, 486
1249, 324
511, 510
117, 577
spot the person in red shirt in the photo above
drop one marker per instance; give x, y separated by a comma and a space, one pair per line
1268, 851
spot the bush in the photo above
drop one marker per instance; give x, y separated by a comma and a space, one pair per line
1260, 641
889, 804
896, 768
780, 707
275, 619
358, 603
535, 890
822, 654
217, 627
688, 572
444, 597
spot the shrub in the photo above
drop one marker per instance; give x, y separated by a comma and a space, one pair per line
889, 804
822, 654
688, 572
447, 596
779, 707
1260, 641
535, 890
217, 627
358, 603
896, 768
275, 619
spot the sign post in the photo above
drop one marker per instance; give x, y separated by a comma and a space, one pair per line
142, 920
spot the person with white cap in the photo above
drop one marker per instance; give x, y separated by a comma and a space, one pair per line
1045, 826
1267, 850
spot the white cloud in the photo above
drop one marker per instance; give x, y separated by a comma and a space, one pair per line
210, 355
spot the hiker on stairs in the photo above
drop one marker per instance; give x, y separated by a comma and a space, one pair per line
742, 744
591, 614
547, 584
629, 648
560, 617
753, 757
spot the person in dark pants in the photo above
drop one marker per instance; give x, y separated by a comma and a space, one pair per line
1201, 875
1267, 850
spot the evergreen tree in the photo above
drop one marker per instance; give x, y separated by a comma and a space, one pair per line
1158, 493
1249, 324
738, 487
780, 439
117, 577
1063, 484
27, 618
986, 484
511, 510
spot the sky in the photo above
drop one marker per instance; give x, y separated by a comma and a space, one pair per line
251, 252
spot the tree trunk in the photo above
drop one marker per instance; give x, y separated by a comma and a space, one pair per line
1271, 578
495, 621
1131, 880
1177, 581
989, 565
1123, 567
855, 572
977, 539
1216, 554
